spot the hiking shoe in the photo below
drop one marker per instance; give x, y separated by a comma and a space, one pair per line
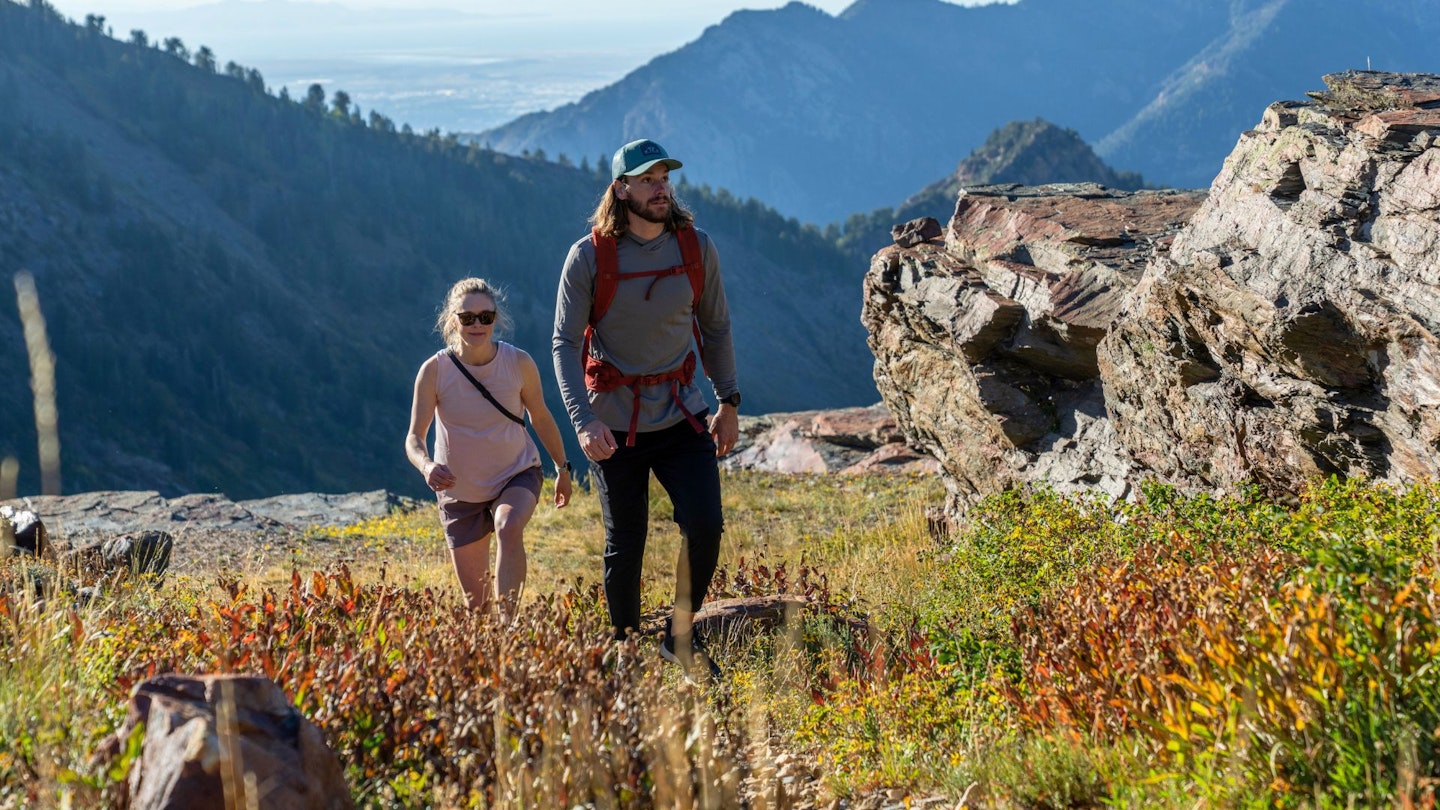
692, 657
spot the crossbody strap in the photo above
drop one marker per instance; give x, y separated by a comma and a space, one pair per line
483, 390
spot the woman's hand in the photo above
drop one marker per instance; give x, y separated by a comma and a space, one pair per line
438, 476
562, 488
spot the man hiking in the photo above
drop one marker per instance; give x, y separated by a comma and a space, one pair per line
640, 301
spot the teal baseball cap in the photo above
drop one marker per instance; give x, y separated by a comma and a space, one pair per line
637, 157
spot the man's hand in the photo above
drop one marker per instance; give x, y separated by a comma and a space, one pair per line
438, 476
597, 442
725, 427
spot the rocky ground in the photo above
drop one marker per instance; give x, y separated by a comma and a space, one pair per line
843, 440
210, 531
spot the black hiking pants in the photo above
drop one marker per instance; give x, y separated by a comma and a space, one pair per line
685, 465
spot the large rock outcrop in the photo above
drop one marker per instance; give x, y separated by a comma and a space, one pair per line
1291, 330
985, 344
1281, 327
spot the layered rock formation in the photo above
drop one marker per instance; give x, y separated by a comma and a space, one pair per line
985, 343
1291, 331
1281, 327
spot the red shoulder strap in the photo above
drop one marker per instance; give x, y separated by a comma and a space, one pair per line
694, 262
607, 274
695, 269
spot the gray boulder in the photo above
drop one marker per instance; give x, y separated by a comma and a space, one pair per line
140, 553
24, 532
843, 440
223, 741
1291, 331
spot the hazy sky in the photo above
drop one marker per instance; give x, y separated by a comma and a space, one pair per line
714, 10
261, 28
460, 65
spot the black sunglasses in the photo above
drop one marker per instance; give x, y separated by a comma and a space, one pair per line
485, 318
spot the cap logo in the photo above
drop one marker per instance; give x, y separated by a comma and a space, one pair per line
650, 149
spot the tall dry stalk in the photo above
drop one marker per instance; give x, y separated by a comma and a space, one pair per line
238, 784
42, 382
9, 478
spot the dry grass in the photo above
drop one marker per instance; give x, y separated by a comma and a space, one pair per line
866, 532
858, 531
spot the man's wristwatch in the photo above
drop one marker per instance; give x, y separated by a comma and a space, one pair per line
733, 400
568, 468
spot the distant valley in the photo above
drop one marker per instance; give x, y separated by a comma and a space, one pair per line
426, 66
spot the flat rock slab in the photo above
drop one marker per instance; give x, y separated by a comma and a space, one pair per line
95, 514
1075, 223
318, 509
210, 532
721, 618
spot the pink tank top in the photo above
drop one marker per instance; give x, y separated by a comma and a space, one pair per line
483, 447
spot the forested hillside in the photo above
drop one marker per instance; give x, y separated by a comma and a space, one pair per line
239, 285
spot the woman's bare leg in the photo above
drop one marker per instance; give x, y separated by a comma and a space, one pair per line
472, 566
513, 511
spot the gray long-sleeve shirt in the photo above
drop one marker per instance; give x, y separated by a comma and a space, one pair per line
640, 336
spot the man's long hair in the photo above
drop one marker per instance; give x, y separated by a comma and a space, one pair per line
611, 217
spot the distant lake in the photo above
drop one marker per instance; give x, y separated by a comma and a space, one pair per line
461, 72
455, 92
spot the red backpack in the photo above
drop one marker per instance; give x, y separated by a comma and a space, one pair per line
602, 376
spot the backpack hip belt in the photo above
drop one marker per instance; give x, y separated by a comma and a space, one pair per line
609, 378
603, 376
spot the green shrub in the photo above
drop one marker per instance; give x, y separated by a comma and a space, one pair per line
1056, 651
919, 726
1303, 668
1014, 549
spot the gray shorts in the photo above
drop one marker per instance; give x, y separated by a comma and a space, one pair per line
466, 522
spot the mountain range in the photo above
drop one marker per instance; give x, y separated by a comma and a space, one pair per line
239, 286
822, 116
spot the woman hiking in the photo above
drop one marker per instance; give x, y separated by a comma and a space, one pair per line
486, 470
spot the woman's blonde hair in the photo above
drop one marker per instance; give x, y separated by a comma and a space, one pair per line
449, 326
610, 217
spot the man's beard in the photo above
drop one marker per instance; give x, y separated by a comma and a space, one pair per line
643, 212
